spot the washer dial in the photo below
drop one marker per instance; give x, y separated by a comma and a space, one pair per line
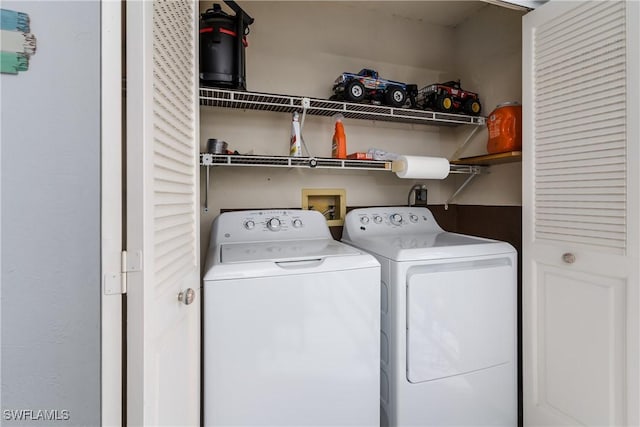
274, 224
396, 219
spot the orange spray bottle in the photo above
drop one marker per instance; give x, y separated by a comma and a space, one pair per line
339, 146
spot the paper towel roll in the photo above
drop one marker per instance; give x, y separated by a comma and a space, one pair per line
420, 167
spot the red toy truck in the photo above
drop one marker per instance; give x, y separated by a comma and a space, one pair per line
449, 97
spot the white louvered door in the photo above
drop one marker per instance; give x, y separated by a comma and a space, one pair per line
581, 200
163, 332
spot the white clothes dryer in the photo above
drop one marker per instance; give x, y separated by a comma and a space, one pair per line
291, 324
448, 338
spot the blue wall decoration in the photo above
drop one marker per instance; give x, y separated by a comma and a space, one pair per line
16, 41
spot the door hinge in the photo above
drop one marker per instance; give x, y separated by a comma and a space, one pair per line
116, 283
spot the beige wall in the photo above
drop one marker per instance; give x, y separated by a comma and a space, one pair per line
488, 61
299, 48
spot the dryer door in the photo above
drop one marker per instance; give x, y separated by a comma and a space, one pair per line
461, 317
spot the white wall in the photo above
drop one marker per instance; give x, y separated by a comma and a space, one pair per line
50, 191
299, 48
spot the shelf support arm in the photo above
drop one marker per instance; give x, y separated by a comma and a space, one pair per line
464, 184
306, 103
466, 142
206, 190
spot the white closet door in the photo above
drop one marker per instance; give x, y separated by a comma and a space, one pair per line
111, 221
163, 332
580, 213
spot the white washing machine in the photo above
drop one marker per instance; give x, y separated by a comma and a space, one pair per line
448, 338
291, 324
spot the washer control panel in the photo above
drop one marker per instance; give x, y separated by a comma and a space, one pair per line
267, 225
395, 219
390, 220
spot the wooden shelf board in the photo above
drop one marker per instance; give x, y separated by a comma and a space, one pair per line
490, 159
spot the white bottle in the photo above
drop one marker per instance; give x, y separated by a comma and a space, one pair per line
295, 149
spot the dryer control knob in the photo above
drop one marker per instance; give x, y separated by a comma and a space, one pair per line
396, 219
414, 218
249, 225
297, 223
364, 220
377, 219
274, 224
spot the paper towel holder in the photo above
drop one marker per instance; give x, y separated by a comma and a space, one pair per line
398, 166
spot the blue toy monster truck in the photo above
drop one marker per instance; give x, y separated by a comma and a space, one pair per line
367, 85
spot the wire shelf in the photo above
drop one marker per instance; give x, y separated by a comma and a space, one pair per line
215, 97
208, 159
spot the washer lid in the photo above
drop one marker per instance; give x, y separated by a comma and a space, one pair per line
430, 246
291, 250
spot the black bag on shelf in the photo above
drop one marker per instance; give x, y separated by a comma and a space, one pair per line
222, 43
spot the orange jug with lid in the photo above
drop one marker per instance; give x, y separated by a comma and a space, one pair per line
505, 128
